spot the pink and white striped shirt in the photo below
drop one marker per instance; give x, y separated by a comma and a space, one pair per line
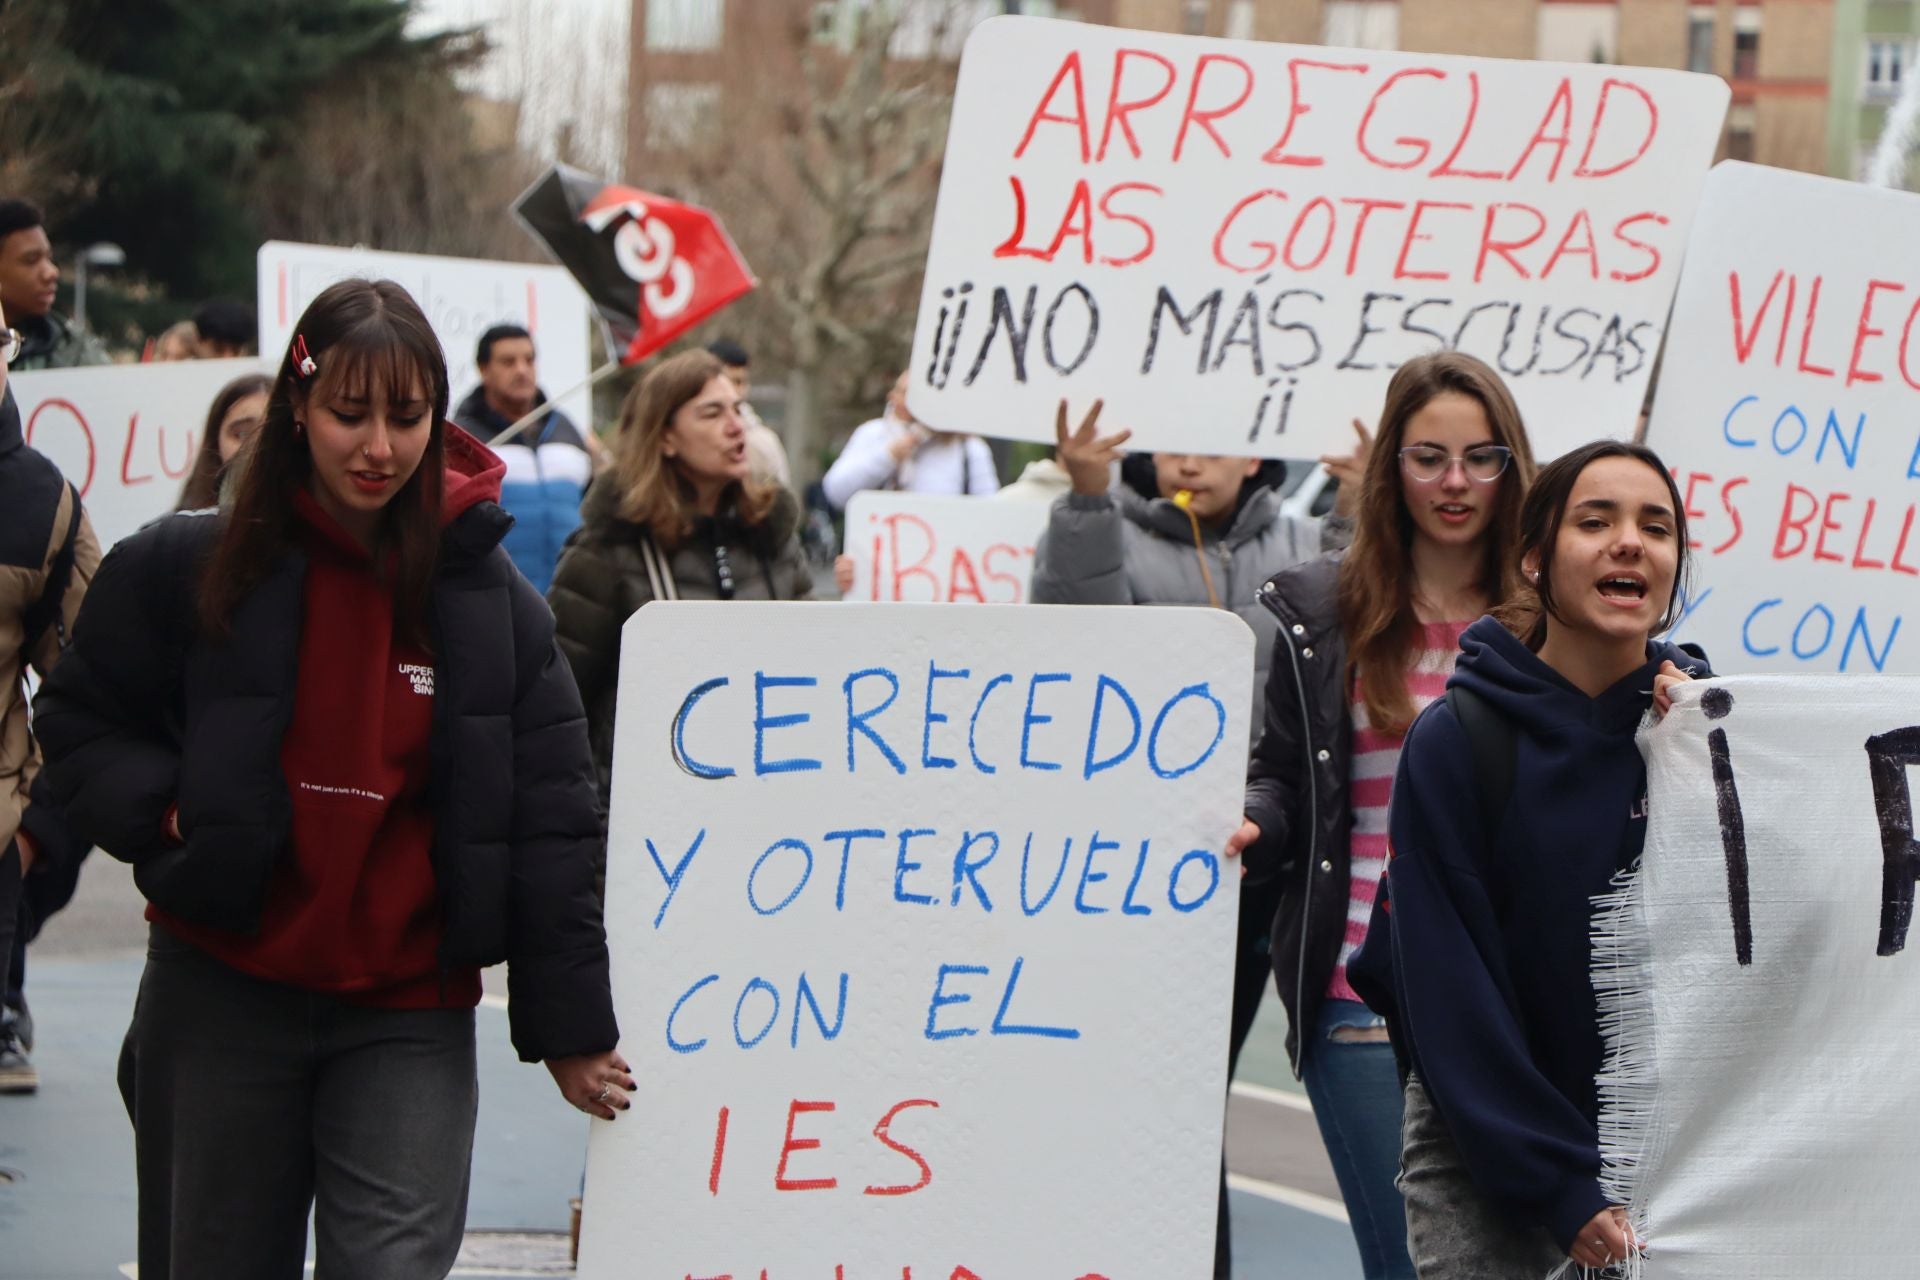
1375, 757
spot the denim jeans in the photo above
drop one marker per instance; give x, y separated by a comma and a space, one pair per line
1355, 1088
254, 1102
1454, 1230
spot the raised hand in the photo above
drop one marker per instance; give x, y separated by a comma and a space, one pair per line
1087, 456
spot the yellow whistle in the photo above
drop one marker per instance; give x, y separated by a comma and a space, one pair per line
1183, 499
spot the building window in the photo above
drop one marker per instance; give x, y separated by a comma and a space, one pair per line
1240, 20
684, 25
1700, 43
680, 115
1361, 24
1193, 17
1887, 62
1577, 33
1740, 144
1746, 44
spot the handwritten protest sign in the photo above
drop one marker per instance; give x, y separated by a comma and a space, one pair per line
1235, 243
937, 548
1762, 984
922, 944
1786, 408
125, 434
462, 299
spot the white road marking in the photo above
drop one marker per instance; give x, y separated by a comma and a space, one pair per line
1278, 1097
1289, 1196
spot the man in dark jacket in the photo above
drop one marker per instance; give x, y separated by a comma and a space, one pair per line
28, 282
549, 464
47, 556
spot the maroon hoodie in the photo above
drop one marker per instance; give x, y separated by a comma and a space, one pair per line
354, 909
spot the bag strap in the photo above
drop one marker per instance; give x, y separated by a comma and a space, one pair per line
46, 611
659, 572
1494, 747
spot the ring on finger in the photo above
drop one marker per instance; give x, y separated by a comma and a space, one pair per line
605, 1086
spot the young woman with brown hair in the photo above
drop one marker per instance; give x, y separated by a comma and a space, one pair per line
231, 421
1489, 956
331, 731
676, 517
1369, 637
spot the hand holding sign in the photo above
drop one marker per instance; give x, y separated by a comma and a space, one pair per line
1088, 458
1349, 469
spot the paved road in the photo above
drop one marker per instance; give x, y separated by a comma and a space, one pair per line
66, 1177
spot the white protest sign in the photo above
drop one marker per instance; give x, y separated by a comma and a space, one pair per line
1764, 985
1235, 243
941, 548
125, 434
461, 297
1787, 410
922, 942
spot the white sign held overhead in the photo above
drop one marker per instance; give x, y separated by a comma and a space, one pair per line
461, 297
922, 942
941, 549
126, 435
1235, 243
1787, 410
1761, 981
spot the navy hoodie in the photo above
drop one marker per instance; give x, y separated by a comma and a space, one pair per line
1492, 950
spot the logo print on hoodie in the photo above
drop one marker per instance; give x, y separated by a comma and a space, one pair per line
422, 677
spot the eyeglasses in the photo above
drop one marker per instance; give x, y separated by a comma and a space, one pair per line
1483, 464
10, 345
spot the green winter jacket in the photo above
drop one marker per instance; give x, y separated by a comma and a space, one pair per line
52, 342
602, 579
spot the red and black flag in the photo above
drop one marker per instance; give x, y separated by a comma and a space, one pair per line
653, 267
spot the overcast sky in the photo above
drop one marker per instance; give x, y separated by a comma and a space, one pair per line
562, 60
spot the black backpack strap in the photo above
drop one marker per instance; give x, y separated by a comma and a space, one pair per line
46, 611
1493, 746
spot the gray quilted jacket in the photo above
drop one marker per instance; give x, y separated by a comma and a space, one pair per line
1124, 548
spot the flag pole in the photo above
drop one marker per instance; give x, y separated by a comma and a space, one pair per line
514, 430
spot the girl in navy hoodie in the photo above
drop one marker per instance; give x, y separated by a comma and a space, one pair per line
331, 731
1492, 911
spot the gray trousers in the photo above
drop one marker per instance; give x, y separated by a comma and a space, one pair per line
1452, 1230
253, 1103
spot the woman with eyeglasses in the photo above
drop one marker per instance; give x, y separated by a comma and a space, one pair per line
676, 517
1369, 637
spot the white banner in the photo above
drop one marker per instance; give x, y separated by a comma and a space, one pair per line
1786, 409
933, 548
1235, 243
461, 297
1764, 981
922, 942
125, 434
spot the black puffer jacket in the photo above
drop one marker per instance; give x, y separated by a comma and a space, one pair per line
145, 712
1297, 787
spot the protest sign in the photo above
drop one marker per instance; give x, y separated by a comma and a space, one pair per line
1760, 985
939, 548
1235, 243
1786, 410
461, 297
922, 942
125, 434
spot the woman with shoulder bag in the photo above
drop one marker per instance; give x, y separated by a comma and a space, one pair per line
332, 733
676, 517
1368, 638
